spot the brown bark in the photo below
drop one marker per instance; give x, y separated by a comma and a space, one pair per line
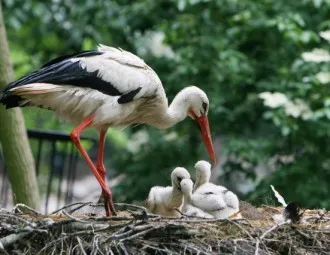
15, 144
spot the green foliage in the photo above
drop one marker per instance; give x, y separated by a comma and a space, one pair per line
234, 50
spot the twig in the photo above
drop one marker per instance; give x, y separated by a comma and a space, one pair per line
12, 238
88, 232
112, 218
121, 234
133, 206
3, 249
17, 206
96, 240
141, 233
256, 252
19, 219
82, 204
81, 246
258, 239
73, 218
122, 246
240, 227
271, 229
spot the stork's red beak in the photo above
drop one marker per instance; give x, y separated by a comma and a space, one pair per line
204, 126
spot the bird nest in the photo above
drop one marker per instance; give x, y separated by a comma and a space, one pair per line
71, 230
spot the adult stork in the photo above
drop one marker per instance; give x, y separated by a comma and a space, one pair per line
104, 88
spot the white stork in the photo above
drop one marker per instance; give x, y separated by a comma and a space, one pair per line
104, 88
166, 200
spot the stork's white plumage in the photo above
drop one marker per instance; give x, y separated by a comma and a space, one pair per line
204, 188
189, 209
166, 200
104, 88
203, 173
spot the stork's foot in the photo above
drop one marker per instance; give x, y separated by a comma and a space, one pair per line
106, 197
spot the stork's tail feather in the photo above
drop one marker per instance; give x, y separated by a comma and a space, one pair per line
9, 100
19, 96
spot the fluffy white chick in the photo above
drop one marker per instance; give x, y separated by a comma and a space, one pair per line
166, 200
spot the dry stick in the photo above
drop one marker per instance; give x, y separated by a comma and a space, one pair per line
81, 246
111, 218
16, 207
308, 237
18, 219
73, 218
318, 218
3, 249
256, 252
273, 228
87, 232
11, 239
240, 227
127, 233
141, 233
82, 204
209, 247
141, 208
146, 246
52, 242
122, 246
130, 205
96, 240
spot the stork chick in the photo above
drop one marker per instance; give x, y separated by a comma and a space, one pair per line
165, 200
214, 199
188, 209
203, 173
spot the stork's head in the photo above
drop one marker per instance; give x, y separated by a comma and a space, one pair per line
179, 174
203, 171
186, 186
198, 107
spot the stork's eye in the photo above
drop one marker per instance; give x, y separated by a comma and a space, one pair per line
204, 105
208, 193
179, 179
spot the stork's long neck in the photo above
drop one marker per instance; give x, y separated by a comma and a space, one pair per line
176, 112
187, 196
202, 178
175, 191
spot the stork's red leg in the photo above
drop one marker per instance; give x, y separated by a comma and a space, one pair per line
100, 165
100, 154
100, 157
75, 137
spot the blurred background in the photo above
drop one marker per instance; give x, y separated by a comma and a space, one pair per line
265, 66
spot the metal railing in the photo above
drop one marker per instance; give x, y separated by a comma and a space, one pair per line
59, 155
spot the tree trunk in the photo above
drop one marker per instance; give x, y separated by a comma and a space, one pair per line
15, 144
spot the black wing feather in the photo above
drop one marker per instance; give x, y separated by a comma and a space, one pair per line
63, 71
88, 53
128, 97
66, 72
